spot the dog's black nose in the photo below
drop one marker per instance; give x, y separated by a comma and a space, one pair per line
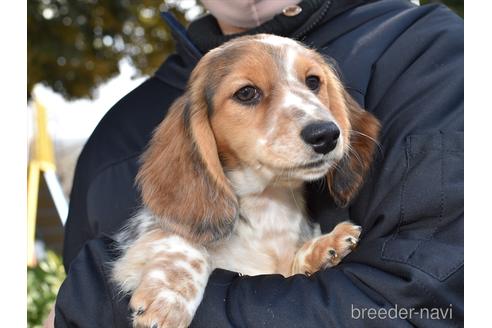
322, 136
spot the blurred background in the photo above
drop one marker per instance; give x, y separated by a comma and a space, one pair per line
83, 56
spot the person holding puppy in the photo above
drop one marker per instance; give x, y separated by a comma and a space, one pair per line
402, 63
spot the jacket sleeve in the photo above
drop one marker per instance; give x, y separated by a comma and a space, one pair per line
77, 226
109, 162
87, 298
410, 258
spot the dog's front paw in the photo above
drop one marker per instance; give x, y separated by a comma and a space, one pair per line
338, 243
160, 307
327, 250
166, 276
166, 299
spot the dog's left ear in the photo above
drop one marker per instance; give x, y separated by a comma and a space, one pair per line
181, 178
345, 180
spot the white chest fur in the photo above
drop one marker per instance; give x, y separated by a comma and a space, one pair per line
272, 227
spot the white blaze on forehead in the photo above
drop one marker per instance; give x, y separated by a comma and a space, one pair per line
292, 100
279, 41
295, 94
295, 97
289, 65
290, 50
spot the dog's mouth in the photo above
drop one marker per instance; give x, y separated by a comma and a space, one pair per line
310, 165
319, 166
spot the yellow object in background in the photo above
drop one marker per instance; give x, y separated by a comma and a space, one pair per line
43, 146
42, 160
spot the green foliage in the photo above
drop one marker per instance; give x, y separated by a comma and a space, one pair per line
456, 5
43, 282
73, 46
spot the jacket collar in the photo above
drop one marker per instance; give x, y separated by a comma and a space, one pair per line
280, 24
203, 35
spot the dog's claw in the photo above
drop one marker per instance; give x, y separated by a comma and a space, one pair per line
352, 241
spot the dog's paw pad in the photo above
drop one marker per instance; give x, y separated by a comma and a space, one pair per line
338, 243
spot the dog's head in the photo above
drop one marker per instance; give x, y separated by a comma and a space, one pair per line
258, 110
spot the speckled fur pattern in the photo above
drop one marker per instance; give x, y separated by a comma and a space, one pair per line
222, 182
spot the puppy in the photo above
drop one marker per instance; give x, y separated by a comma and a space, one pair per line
222, 179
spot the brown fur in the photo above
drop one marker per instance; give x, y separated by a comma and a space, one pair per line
181, 178
345, 181
197, 265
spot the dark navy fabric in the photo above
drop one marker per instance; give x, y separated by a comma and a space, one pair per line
400, 62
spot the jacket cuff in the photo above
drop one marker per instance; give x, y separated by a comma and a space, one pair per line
213, 307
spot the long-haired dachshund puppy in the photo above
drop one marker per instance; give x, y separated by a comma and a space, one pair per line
222, 179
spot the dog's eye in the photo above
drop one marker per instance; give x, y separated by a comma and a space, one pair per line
248, 95
312, 82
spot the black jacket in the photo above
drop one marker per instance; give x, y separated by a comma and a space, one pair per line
400, 62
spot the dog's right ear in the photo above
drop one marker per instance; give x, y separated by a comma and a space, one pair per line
181, 179
362, 131
347, 178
